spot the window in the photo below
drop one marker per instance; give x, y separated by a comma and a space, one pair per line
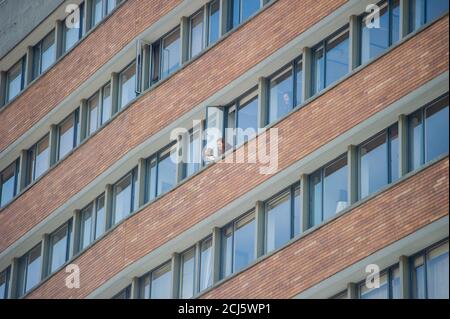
187, 275
196, 32
430, 273
328, 191
59, 247
99, 109
38, 159
101, 8
389, 286
282, 218
124, 197
9, 183
374, 40
123, 294
4, 283
93, 113
44, 54
213, 21
158, 284
68, 132
192, 150
170, 49
15, 80
428, 133
285, 91
161, 173
72, 34
238, 245
206, 264
424, 11
378, 162
241, 10
330, 61
127, 85
29, 270
92, 222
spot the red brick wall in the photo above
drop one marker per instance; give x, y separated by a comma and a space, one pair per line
79, 65
377, 223
159, 107
341, 108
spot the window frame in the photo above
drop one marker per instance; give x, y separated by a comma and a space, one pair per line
149, 276
50, 253
389, 272
7, 273
32, 155
208, 24
203, 40
80, 29
37, 65
160, 41
75, 124
94, 219
130, 66
22, 63
16, 168
24, 263
133, 204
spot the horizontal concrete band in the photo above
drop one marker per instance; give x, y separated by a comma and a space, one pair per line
178, 95
383, 220
79, 65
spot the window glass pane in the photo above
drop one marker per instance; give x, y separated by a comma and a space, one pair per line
247, 121
281, 96
214, 134
337, 58
319, 70
48, 51
161, 280
106, 106
187, 274
435, 8
42, 157
436, 130
37, 60
66, 137
374, 40
93, 105
59, 244
214, 18
151, 179
100, 218
297, 211
97, 11
395, 12
145, 288
419, 278
315, 197
111, 4
249, 7
196, 34
33, 268
127, 85
235, 18
7, 188
4, 284
298, 84
437, 273
122, 199
167, 172
335, 188
278, 222
71, 35
395, 283
227, 251
194, 150
206, 264
393, 156
373, 167
86, 227
375, 293
171, 53
415, 141
244, 242
15, 81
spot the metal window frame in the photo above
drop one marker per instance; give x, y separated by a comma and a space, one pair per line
133, 175
75, 121
80, 29
48, 262
24, 262
120, 93
149, 275
191, 18
182, 259
7, 273
16, 164
21, 62
388, 271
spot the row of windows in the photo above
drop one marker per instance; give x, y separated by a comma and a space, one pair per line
428, 278
44, 53
377, 166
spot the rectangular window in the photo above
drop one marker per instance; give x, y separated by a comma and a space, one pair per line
156, 62
238, 245
425, 11
124, 197
246, 118
101, 8
59, 249
68, 132
29, 270
4, 283
170, 48
127, 85
9, 183
330, 61
92, 222
187, 274
428, 133
93, 113
213, 21
38, 159
282, 215
192, 151
378, 164
241, 10
206, 264
430, 273
161, 173
44, 54
389, 286
74, 31
15, 80
328, 191
196, 33
106, 103
157, 285
375, 40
